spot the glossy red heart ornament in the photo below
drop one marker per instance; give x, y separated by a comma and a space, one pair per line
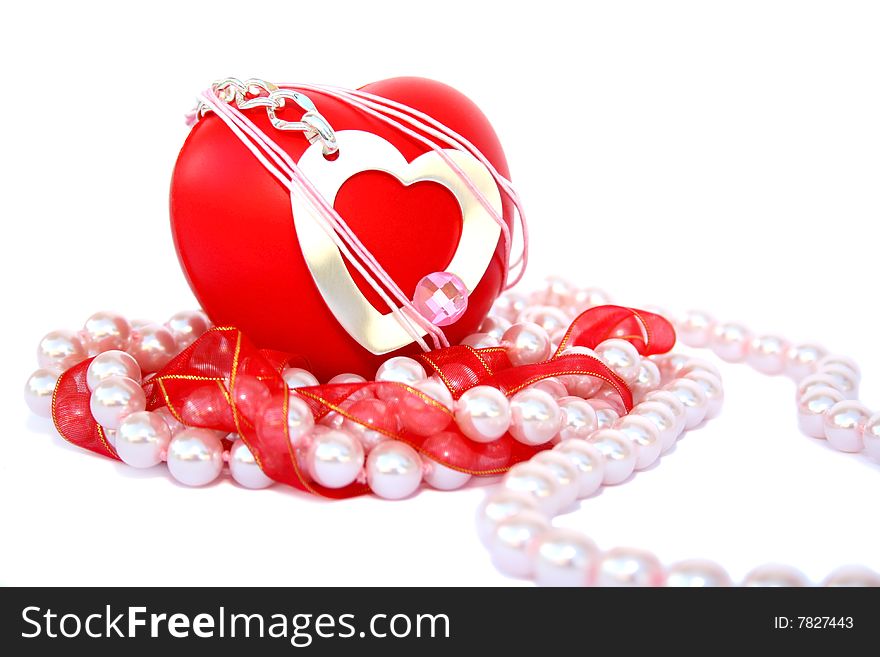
235, 238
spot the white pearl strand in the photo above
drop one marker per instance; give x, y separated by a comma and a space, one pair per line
338, 452
515, 519
594, 446
141, 438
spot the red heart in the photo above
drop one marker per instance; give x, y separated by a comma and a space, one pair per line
235, 238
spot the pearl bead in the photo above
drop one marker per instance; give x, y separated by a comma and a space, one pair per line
347, 378
587, 298
662, 418
480, 341
110, 364
114, 399
557, 291
495, 326
767, 354
249, 393
526, 343
619, 452
39, 390
513, 544
153, 347
401, 370
332, 420
801, 360
621, 356
549, 318
173, 423
566, 476
730, 342
188, 326
437, 391
648, 378
394, 470
335, 458
606, 414
711, 385
814, 381
852, 576
300, 420
629, 567
426, 414
442, 477
843, 425
60, 350
844, 379
832, 361
206, 405
645, 435
296, 377
509, 305
536, 480
695, 328
498, 506
375, 419
142, 439
812, 407
580, 351
670, 364
609, 395
483, 414
244, 468
697, 573
695, 400
552, 386
442, 455
564, 558
871, 436
535, 417
698, 365
579, 418
430, 416
588, 461
107, 331
775, 575
195, 457
674, 404
581, 385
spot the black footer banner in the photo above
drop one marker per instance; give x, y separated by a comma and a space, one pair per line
429, 620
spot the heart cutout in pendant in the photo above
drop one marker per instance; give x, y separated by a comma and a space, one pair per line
359, 151
403, 222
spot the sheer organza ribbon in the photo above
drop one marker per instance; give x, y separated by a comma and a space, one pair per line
225, 383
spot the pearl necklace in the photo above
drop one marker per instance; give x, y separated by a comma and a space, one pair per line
514, 521
594, 443
337, 451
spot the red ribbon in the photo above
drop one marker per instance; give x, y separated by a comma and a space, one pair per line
224, 382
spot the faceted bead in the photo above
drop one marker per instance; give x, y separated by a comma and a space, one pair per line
441, 298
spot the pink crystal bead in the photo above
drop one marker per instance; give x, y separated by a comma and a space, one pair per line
441, 298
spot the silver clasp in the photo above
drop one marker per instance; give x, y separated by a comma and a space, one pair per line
259, 93
315, 127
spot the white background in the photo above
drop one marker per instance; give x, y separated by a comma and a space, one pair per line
686, 154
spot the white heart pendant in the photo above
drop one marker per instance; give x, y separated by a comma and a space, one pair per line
359, 151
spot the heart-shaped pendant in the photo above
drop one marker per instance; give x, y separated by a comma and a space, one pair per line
359, 151
255, 259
